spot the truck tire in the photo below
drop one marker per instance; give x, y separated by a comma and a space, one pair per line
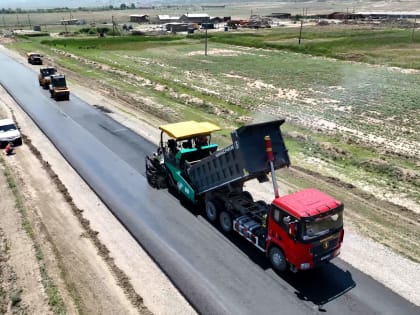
226, 222
213, 207
277, 259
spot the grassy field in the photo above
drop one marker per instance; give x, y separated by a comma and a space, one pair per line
346, 119
361, 118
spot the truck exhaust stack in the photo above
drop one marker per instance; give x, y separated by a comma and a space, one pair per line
270, 156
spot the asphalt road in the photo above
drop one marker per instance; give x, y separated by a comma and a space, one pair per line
217, 274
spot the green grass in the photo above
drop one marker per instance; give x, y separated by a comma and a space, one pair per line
238, 82
372, 46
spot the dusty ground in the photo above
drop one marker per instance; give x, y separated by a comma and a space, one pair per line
71, 248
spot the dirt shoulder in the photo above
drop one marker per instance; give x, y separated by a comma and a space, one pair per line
21, 289
80, 240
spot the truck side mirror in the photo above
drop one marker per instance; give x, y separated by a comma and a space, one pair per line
292, 229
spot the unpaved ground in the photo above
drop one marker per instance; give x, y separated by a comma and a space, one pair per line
21, 287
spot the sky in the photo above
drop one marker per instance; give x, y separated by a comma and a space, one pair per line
35, 4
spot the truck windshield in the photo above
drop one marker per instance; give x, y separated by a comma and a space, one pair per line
7, 128
323, 225
61, 82
47, 72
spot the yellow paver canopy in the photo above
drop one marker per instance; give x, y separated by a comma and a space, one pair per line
188, 129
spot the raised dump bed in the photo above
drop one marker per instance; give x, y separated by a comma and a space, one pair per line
244, 159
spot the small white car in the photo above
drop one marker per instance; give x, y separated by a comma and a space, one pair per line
9, 133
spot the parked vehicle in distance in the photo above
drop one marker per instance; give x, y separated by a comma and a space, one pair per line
9, 133
58, 87
44, 76
299, 231
34, 58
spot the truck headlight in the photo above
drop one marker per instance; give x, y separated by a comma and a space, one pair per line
305, 266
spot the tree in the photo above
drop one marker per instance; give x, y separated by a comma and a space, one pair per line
133, 6
123, 6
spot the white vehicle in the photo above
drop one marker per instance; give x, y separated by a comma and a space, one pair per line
9, 133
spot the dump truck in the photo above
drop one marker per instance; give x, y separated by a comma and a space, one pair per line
299, 231
34, 58
44, 76
58, 87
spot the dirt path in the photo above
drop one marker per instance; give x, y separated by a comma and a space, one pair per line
21, 289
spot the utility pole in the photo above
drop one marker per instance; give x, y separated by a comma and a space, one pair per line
300, 32
29, 21
65, 24
205, 46
414, 27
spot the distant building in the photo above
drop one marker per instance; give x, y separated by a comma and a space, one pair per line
390, 15
343, 16
69, 22
280, 15
177, 27
217, 19
163, 19
137, 18
215, 6
198, 18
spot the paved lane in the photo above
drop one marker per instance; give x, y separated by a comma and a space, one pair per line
218, 275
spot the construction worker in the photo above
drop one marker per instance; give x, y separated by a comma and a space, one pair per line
9, 148
201, 141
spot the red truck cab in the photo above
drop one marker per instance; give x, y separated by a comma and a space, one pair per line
305, 230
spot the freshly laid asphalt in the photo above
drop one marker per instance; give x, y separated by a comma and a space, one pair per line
218, 274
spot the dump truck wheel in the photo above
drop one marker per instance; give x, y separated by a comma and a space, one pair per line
225, 220
212, 209
277, 259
